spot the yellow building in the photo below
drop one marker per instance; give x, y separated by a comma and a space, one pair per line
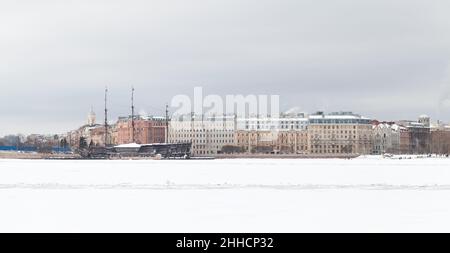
286, 135
339, 133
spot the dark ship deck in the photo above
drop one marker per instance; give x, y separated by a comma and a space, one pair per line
155, 150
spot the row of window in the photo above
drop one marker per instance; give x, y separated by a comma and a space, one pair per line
201, 136
330, 151
204, 152
274, 127
201, 130
332, 132
340, 121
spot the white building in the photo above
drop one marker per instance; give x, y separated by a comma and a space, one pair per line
386, 138
425, 120
283, 123
208, 134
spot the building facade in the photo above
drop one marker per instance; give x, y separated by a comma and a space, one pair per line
386, 138
318, 134
208, 134
405, 140
282, 135
146, 130
440, 140
339, 133
419, 139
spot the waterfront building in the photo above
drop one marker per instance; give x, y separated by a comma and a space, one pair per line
286, 134
440, 139
339, 133
405, 140
330, 134
297, 122
92, 133
208, 134
419, 135
386, 138
147, 129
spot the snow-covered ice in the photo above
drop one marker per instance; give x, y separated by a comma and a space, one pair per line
241, 195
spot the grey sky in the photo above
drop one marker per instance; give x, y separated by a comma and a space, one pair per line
386, 59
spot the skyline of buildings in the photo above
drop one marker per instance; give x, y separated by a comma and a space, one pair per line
319, 133
250, 129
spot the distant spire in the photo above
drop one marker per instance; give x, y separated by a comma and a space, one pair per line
91, 117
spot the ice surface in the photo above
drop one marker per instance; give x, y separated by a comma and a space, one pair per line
239, 195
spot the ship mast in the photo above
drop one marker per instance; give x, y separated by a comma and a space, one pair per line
106, 117
132, 116
167, 124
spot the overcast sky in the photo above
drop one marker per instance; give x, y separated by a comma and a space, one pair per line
385, 59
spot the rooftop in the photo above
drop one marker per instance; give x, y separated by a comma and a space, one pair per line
337, 115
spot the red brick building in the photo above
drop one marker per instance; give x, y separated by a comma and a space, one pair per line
405, 140
146, 130
440, 140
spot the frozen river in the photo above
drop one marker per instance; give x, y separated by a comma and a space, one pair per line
265, 195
